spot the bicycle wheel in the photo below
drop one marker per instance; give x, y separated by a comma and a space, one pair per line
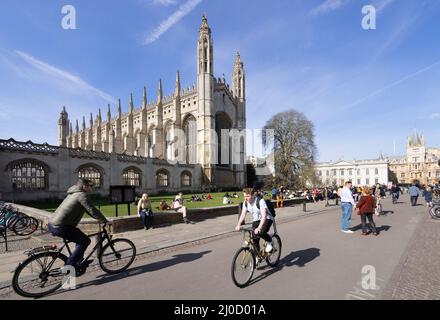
117, 255
39, 275
25, 226
243, 266
435, 212
274, 256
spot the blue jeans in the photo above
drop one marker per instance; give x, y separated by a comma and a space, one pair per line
414, 200
347, 208
147, 218
75, 235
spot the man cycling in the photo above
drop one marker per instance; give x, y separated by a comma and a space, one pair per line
261, 218
67, 216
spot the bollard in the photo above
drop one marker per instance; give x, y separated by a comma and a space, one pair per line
304, 206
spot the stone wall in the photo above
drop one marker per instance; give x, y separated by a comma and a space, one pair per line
62, 165
133, 222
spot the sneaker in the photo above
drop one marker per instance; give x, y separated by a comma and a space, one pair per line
347, 231
86, 263
185, 220
259, 261
269, 247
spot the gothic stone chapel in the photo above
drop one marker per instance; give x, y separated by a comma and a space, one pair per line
169, 145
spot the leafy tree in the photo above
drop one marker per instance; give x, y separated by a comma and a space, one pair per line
292, 137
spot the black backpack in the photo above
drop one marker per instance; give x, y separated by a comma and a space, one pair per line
268, 204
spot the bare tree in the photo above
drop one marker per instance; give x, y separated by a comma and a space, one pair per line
294, 148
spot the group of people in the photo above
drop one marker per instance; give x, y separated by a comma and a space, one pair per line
70, 212
227, 198
365, 207
427, 193
279, 194
368, 203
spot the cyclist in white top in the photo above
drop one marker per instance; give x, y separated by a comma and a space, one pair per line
261, 218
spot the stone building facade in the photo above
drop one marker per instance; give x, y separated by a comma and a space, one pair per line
360, 172
181, 135
420, 163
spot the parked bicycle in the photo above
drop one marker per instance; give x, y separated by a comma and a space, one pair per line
17, 221
41, 273
247, 258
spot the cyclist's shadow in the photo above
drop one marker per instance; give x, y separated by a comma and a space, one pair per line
176, 259
296, 258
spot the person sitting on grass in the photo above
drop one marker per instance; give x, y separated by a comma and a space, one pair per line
179, 207
209, 197
235, 195
163, 205
226, 199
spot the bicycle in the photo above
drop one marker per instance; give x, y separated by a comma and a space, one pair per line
19, 223
247, 257
434, 211
42, 272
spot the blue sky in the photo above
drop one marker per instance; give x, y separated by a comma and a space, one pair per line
362, 89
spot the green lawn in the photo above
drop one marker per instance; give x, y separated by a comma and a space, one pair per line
109, 209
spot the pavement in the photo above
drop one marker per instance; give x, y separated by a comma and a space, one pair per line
417, 276
406, 256
170, 237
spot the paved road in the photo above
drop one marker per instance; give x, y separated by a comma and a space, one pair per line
318, 262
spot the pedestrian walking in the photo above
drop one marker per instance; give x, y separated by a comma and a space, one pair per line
326, 195
365, 208
427, 194
347, 203
414, 194
378, 192
280, 197
145, 212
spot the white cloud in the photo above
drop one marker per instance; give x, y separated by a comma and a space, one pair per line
170, 21
434, 116
64, 76
382, 4
164, 2
328, 6
333, 5
391, 85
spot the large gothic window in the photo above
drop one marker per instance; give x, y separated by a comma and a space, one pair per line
29, 175
223, 122
162, 178
190, 130
91, 172
150, 139
186, 179
132, 177
205, 55
168, 142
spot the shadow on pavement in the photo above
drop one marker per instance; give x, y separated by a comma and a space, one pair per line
295, 258
105, 278
383, 228
379, 228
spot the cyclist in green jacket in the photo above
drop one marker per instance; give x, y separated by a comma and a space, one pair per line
69, 214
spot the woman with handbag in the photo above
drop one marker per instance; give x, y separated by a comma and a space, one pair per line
365, 208
145, 212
